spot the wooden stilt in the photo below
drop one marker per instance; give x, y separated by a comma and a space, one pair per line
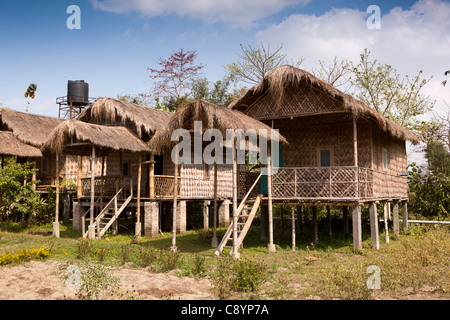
396, 226
386, 226
151, 179
316, 231
374, 225
405, 215
80, 173
92, 186
175, 205
293, 227
56, 223
214, 241
271, 246
138, 208
357, 228
330, 233
235, 253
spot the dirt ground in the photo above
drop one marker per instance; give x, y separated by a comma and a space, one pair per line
36, 280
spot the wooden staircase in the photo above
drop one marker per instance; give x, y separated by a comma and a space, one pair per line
109, 214
244, 222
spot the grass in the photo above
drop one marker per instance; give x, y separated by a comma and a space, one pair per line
417, 264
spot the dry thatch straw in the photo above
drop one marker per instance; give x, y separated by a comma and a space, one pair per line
11, 146
112, 137
138, 118
279, 80
27, 127
212, 116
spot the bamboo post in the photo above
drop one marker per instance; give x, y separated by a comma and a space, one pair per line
152, 176
405, 215
357, 230
396, 226
102, 176
206, 215
316, 231
374, 226
33, 176
138, 209
271, 246
92, 186
330, 232
235, 252
355, 155
386, 226
174, 216
293, 227
80, 173
56, 223
214, 241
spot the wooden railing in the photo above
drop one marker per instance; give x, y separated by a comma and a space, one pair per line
164, 186
344, 182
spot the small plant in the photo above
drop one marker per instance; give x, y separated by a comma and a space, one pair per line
147, 256
85, 248
249, 275
97, 282
170, 260
222, 278
101, 253
25, 255
199, 265
125, 252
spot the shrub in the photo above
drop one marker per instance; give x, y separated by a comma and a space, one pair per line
249, 275
85, 248
25, 255
170, 260
222, 278
147, 256
199, 265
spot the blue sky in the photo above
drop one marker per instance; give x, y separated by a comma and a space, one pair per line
118, 40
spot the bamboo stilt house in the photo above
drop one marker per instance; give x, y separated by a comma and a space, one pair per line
22, 135
339, 151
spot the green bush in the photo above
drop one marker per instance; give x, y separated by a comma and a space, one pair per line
249, 275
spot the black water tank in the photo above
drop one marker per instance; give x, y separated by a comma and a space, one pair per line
78, 92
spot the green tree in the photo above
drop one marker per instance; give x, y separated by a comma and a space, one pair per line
382, 88
17, 196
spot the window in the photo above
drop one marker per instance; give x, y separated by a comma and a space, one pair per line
385, 158
125, 169
325, 157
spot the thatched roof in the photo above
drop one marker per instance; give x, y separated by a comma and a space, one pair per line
112, 111
29, 128
72, 132
11, 146
278, 80
212, 116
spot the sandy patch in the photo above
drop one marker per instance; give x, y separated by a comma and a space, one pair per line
37, 280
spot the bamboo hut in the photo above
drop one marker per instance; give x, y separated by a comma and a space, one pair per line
339, 151
217, 182
23, 134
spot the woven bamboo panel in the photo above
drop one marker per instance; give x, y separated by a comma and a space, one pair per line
296, 101
196, 184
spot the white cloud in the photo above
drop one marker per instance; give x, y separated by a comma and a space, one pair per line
410, 40
239, 13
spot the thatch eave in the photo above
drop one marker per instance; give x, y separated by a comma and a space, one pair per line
75, 132
278, 80
212, 117
11, 146
112, 111
29, 128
